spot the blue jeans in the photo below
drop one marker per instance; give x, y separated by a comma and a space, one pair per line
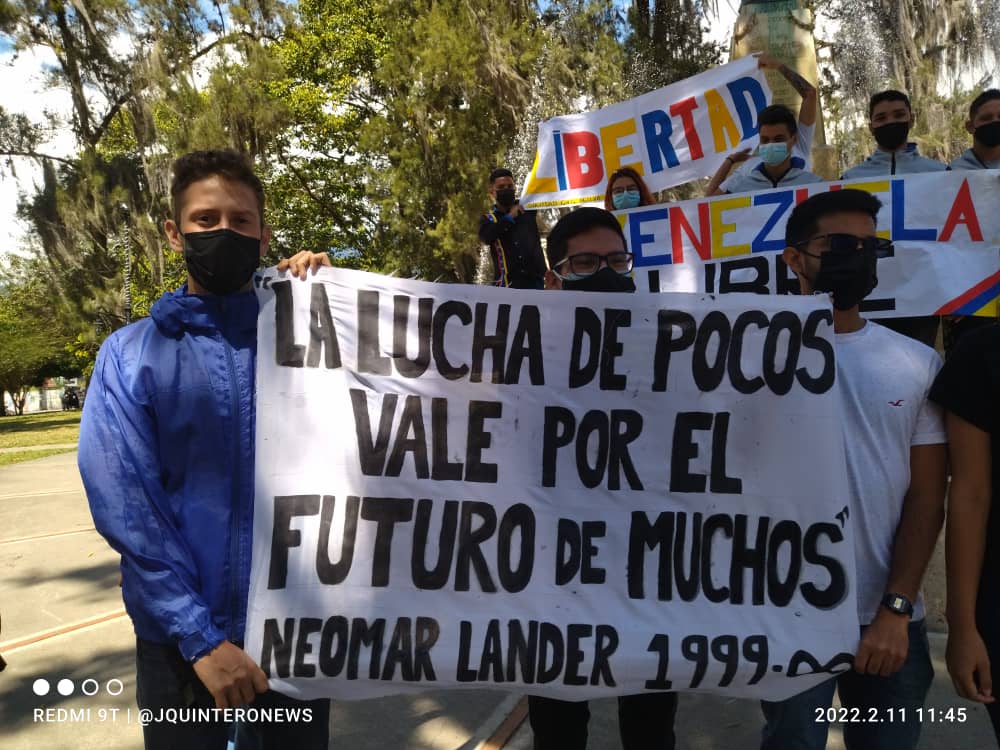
164, 680
793, 724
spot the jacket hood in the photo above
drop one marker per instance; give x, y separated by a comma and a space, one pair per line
177, 312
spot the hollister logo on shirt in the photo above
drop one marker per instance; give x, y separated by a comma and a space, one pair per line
897, 404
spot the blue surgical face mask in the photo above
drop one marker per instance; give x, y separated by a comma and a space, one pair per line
627, 199
773, 153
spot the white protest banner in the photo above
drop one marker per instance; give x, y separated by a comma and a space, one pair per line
945, 227
670, 136
571, 494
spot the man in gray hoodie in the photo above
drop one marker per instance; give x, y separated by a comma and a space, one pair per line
890, 119
984, 127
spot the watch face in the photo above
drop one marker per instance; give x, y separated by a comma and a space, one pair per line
899, 604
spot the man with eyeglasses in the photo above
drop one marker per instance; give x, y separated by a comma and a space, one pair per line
896, 455
587, 252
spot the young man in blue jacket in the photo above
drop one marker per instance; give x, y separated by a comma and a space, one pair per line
167, 458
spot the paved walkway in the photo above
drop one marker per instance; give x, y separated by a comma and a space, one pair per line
63, 624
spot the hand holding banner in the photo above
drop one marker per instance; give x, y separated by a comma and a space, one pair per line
670, 136
573, 494
944, 225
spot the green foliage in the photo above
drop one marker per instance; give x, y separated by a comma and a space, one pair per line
668, 43
33, 343
373, 123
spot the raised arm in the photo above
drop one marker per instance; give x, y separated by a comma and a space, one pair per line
714, 187
807, 112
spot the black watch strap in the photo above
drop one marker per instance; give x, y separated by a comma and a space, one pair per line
898, 603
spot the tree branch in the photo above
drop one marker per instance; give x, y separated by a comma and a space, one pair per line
36, 155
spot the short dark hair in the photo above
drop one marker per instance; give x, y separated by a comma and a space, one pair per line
803, 222
889, 95
200, 165
987, 96
574, 223
499, 172
778, 114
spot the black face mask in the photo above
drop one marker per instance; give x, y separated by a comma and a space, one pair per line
605, 280
505, 197
891, 136
850, 275
989, 134
222, 261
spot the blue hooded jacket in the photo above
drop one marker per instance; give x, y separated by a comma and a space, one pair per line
166, 455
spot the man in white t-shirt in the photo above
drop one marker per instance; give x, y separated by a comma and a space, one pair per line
896, 458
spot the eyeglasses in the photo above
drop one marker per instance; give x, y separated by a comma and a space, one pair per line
620, 190
843, 243
583, 265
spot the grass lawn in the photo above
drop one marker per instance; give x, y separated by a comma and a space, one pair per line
17, 457
47, 428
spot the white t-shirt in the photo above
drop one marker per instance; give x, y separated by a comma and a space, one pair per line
884, 380
801, 149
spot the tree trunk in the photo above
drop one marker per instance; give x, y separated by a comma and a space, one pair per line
20, 398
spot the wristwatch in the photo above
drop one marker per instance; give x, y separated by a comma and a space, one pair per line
898, 603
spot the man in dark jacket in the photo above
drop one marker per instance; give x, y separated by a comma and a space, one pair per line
512, 235
167, 459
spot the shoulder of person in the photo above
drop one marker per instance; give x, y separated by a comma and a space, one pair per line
858, 170
529, 217
983, 342
909, 351
966, 161
808, 177
741, 182
932, 165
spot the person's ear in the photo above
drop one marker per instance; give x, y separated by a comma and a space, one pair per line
174, 237
969, 128
552, 281
265, 240
795, 260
